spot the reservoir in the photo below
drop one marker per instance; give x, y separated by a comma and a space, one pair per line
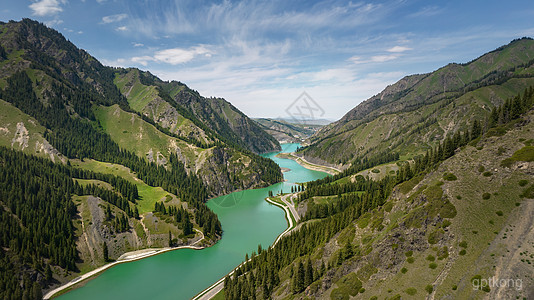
247, 220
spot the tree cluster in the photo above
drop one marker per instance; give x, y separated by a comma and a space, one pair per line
180, 216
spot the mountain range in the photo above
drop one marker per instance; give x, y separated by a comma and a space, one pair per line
124, 142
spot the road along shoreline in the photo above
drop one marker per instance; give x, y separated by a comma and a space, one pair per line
308, 165
124, 258
215, 288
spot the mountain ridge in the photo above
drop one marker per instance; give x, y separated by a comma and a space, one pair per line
496, 75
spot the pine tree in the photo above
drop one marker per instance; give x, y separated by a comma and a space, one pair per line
105, 252
308, 276
348, 250
48, 273
300, 277
37, 292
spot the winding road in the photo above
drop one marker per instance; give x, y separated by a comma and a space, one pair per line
290, 210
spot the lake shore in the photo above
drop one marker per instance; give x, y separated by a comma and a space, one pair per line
124, 258
308, 165
215, 288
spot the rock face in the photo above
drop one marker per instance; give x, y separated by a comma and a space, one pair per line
21, 136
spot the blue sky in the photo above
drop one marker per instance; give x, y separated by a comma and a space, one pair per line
261, 55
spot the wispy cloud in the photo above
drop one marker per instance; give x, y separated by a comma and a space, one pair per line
251, 18
53, 22
121, 28
398, 49
178, 56
427, 11
114, 18
174, 56
373, 59
47, 7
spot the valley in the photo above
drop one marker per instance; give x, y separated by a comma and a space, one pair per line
117, 184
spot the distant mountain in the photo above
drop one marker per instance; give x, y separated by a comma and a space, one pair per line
318, 122
418, 111
285, 131
130, 152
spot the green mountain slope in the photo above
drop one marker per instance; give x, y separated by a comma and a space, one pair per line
22, 132
184, 112
121, 180
417, 112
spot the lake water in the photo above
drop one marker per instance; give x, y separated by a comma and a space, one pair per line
247, 220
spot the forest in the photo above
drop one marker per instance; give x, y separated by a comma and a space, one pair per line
36, 216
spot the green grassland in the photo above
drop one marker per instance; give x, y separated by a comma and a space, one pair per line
138, 95
133, 134
148, 195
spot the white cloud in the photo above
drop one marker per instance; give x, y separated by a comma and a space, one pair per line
53, 23
138, 44
356, 60
174, 56
383, 58
121, 62
121, 28
47, 7
373, 59
114, 18
143, 60
398, 49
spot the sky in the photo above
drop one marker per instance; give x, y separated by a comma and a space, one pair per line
263, 55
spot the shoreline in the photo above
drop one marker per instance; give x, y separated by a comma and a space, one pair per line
124, 258
308, 165
215, 288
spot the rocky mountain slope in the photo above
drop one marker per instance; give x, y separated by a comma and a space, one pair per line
442, 235
183, 111
126, 176
420, 110
448, 221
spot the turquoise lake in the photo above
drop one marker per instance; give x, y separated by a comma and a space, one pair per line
247, 220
